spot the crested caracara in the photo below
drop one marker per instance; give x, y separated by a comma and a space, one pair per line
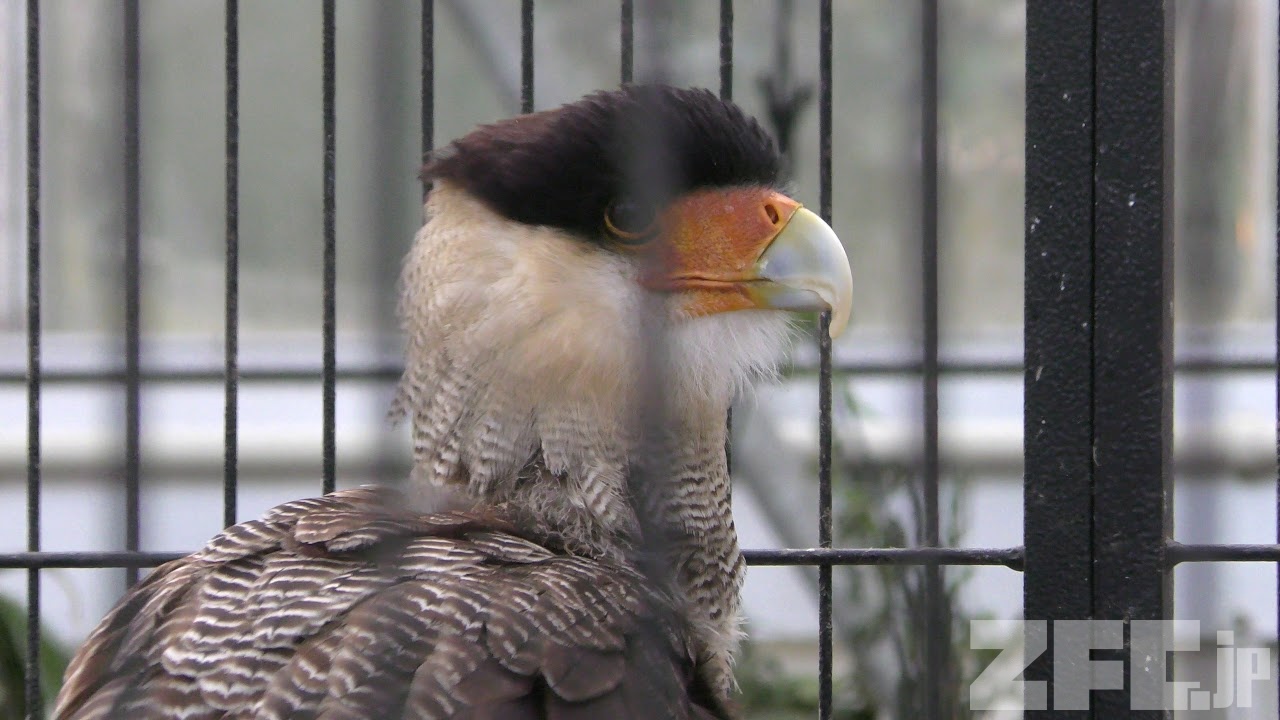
561, 549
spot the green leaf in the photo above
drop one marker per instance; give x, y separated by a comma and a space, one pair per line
13, 657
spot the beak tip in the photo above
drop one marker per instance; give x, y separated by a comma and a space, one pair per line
807, 259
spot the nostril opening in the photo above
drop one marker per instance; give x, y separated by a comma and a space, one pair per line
772, 212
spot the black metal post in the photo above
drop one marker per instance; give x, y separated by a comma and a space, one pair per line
825, 527
937, 631
31, 688
428, 75
132, 285
726, 49
526, 56
330, 281
627, 41
231, 370
1133, 319
1098, 323
1058, 333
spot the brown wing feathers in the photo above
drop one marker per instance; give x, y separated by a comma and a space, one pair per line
345, 607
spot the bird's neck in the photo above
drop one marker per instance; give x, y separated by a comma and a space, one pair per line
573, 471
682, 495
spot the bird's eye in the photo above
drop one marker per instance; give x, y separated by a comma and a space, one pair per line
630, 222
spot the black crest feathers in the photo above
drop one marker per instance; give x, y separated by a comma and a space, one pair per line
564, 167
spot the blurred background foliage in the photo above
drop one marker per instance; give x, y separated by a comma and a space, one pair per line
13, 657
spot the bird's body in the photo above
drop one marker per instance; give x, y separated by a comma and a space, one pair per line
349, 606
564, 547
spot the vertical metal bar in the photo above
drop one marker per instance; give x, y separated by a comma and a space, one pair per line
330, 252
231, 391
824, 110
1133, 292
1058, 323
650, 178
626, 61
133, 283
1277, 311
936, 636
526, 56
31, 690
826, 638
726, 93
825, 631
726, 49
428, 75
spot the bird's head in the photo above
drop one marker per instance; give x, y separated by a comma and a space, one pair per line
563, 251
542, 246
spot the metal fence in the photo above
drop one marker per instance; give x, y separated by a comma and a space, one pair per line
1099, 342
1098, 355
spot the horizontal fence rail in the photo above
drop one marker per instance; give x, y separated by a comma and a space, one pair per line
391, 372
923, 556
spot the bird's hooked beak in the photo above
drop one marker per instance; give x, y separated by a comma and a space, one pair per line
744, 248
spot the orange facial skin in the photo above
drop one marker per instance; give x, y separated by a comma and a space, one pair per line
711, 240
